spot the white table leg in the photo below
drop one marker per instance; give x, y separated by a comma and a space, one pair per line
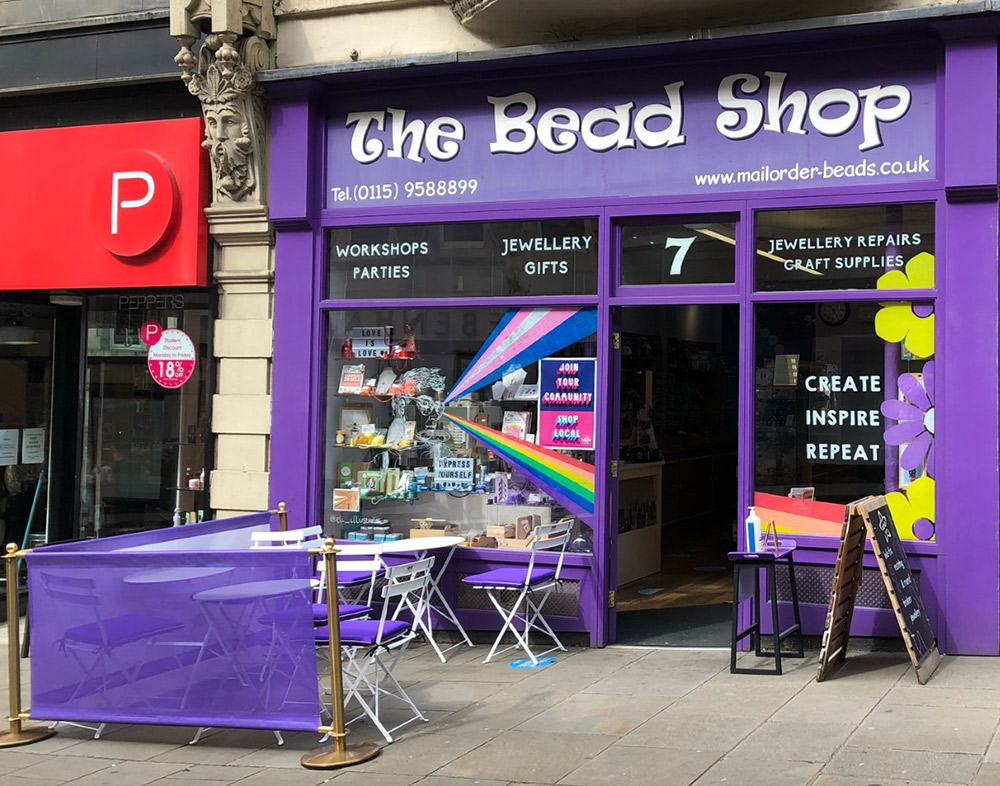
442, 606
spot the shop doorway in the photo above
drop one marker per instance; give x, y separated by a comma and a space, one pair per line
677, 499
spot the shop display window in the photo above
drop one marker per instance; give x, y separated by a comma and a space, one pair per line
450, 421
844, 408
679, 253
845, 248
556, 256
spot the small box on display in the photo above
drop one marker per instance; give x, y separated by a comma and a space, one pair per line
358, 536
525, 526
514, 543
501, 530
483, 542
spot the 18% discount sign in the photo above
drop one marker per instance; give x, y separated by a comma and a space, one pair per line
171, 355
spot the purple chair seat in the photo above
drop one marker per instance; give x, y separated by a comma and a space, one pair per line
346, 611
364, 633
354, 578
510, 577
121, 630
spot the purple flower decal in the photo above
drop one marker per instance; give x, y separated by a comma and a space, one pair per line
914, 418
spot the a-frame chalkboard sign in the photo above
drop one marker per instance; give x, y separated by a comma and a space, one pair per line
870, 518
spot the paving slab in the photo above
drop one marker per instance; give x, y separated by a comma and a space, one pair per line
966, 672
213, 772
438, 694
424, 753
60, 768
909, 727
932, 695
127, 773
691, 731
439, 780
817, 702
876, 764
529, 756
597, 714
646, 678
625, 764
732, 698
988, 775
765, 770
846, 780
799, 741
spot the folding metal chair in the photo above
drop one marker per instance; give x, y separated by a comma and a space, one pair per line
301, 538
101, 640
372, 648
533, 586
356, 580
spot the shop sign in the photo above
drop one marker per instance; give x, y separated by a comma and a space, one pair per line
494, 258
109, 206
454, 474
763, 123
172, 355
567, 403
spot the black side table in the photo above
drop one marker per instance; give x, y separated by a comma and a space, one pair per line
768, 561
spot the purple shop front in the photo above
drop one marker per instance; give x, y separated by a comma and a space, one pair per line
839, 211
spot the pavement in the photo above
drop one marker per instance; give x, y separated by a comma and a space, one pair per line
611, 716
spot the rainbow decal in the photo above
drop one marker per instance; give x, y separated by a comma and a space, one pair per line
522, 336
567, 480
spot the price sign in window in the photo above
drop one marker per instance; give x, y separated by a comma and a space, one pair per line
695, 253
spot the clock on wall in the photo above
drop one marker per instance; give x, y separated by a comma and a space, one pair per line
834, 314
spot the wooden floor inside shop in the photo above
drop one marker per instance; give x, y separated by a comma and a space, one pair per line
691, 574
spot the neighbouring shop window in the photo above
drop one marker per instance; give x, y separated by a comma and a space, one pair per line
26, 333
471, 421
679, 253
844, 408
841, 248
144, 450
497, 258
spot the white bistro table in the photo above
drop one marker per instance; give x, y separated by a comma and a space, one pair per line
436, 601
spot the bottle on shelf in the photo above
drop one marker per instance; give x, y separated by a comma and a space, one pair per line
753, 531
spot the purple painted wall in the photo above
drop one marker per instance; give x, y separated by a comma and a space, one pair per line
951, 123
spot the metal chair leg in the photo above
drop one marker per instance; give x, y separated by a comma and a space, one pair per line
772, 586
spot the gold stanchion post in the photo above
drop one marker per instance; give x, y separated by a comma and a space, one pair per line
15, 735
341, 754
282, 512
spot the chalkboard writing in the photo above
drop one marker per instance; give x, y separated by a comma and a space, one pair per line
899, 580
871, 517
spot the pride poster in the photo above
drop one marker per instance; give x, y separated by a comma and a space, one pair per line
567, 403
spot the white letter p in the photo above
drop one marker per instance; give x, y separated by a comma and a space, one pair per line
116, 177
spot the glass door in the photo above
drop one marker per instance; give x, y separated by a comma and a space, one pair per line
26, 333
144, 453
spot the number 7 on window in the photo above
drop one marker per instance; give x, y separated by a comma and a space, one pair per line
683, 245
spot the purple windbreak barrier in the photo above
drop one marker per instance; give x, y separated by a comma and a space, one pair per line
665, 127
207, 638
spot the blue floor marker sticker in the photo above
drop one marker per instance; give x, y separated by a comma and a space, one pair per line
525, 663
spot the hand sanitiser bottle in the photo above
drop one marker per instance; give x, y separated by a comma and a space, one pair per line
753, 531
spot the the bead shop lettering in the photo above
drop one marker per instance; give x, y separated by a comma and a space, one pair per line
749, 104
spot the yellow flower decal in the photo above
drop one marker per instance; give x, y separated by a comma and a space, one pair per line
913, 510
919, 275
897, 322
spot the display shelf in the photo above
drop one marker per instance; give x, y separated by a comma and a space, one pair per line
639, 549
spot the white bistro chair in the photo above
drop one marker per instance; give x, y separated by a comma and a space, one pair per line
301, 538
533, 587
373, 647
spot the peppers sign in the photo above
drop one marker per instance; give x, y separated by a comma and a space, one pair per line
171, 357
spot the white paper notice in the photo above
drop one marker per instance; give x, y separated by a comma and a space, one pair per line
33, 446
8, 446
